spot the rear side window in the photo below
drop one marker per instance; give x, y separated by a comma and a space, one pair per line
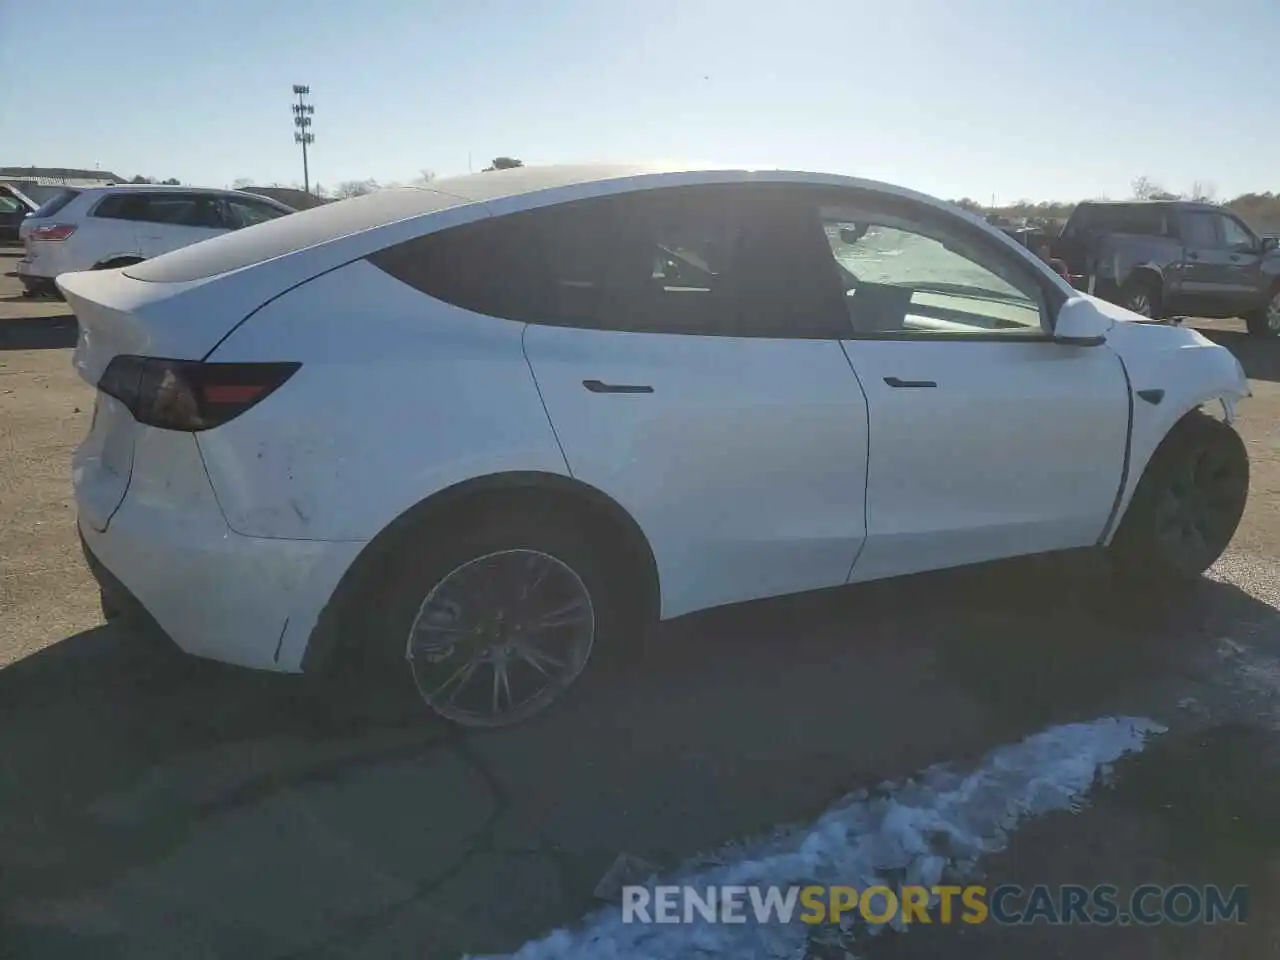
56, 203
246, 213
705, 260
657, 260
1144, 219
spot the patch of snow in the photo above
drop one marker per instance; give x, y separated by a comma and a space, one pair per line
909, 832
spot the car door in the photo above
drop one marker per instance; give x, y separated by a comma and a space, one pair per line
987, 439
722, 415
176, 219
1245, 281
1206, 272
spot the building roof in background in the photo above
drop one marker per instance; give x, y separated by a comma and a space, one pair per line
298, 199
58, 174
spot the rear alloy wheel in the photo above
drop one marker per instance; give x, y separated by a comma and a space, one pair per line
494, 616
1266, 322
1140, 296
1188, 502
500, 636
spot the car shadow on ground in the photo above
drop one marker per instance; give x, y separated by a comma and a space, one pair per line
58, 332
1259, 356
131, 775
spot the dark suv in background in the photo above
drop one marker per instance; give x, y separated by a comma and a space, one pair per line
1169, 258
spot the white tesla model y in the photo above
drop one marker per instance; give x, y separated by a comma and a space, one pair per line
477, 431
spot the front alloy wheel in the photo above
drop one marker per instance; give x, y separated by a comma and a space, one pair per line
1188, 503
499, 637
1198, 507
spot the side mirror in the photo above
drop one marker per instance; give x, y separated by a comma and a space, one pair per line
1080, 324
1270, 243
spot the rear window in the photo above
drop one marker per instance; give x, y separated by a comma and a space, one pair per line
275, 238
56, 203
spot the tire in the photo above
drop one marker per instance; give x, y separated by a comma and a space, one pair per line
1188, 503
1266, 322
441, 587
1141, 295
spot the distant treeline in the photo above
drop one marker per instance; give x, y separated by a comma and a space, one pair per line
1259, 210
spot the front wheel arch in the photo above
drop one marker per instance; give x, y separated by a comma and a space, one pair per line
1175, 489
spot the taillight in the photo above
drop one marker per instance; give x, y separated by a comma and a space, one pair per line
52, 231
188, 394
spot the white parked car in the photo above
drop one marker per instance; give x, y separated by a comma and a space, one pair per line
474, 432
100, 228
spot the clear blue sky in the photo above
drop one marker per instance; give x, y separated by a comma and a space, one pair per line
1020, 98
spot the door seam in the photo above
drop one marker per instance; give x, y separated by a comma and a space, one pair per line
866, 465
1108, 527
543, 400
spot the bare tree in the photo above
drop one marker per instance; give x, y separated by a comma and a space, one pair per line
355, 188
1144, 188
1202, 191
239, 183
423, 178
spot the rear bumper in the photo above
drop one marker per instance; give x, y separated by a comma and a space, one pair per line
252, 603
168, 553
36, 285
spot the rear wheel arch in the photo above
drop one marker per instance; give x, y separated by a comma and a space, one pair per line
112, 263
334, 641
1148, 280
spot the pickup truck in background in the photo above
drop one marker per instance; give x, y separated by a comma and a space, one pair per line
1173, 258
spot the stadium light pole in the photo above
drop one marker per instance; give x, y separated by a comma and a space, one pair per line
302, 113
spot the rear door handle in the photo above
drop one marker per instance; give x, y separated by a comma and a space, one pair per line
597, 386
896, 382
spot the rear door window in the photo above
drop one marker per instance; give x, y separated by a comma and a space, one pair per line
1235, 236
185, 210
1201, 230
247, 213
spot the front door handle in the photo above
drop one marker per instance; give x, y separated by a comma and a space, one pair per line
896, 382
597, 386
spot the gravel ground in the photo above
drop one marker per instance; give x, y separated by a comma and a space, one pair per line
156, 806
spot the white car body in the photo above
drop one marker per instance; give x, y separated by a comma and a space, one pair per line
92, 230
751, 466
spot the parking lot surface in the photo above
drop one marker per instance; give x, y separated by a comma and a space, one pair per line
156, 806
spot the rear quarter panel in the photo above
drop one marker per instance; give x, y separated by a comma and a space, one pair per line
398, 396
